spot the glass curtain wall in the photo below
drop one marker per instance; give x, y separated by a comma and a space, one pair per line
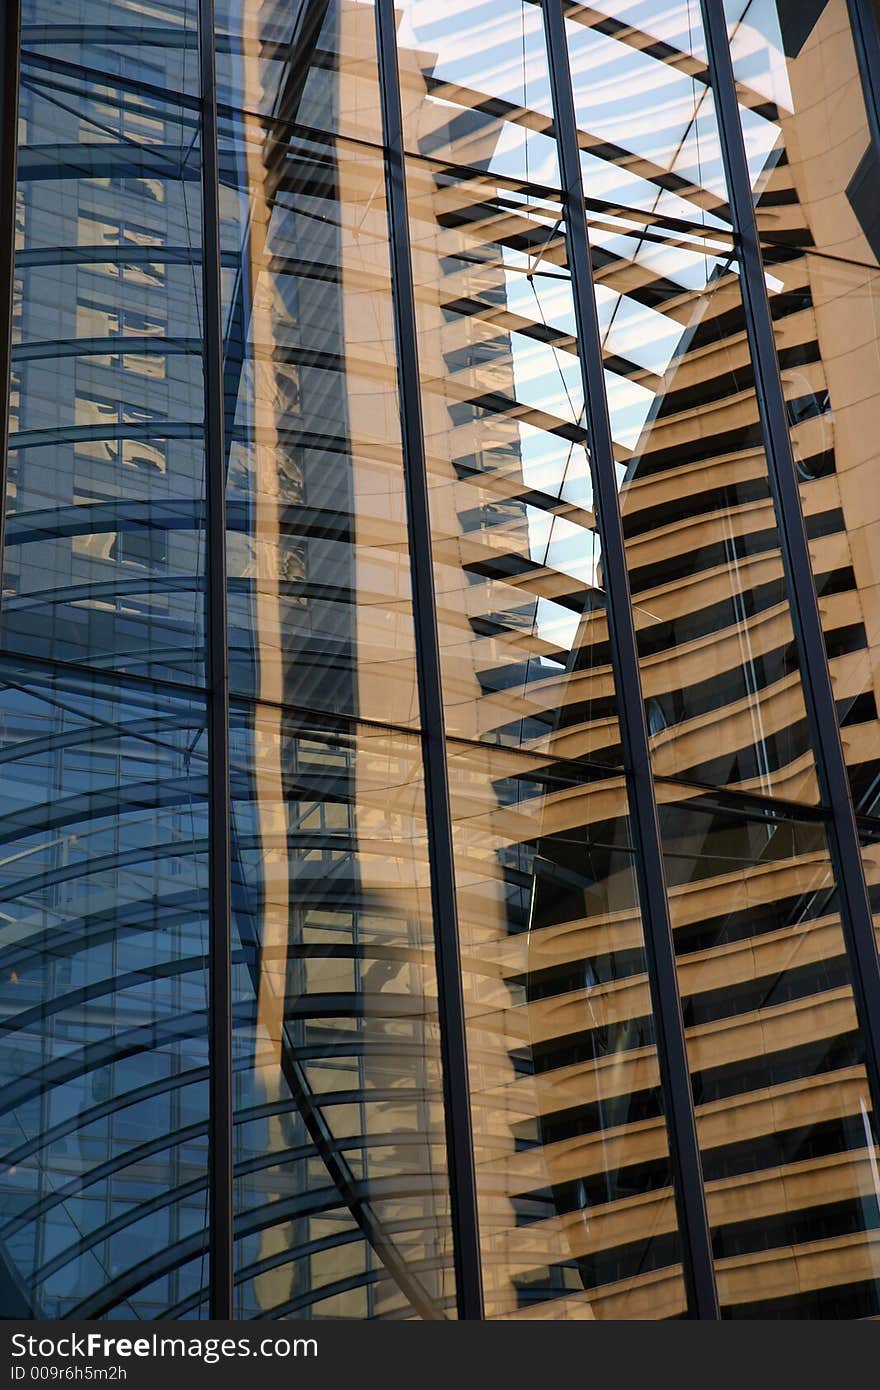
104, 1051
341, 1192
404, 354
811, 179
764, 981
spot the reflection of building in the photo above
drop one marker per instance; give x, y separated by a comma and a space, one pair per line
342, 1191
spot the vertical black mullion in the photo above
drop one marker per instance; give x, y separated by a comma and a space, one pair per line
453, 1037
217, 679
867, 46
834, 786
10, 43
671, 1048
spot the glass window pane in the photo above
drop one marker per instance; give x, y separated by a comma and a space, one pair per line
155, 42
320, 610
517, 560
103, 553
784, 1117
342, 1198
814, 188
715, 637
577, 1216
103, 1053
295, 61
475, 87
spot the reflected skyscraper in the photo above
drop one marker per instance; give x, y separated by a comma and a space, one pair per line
529, 815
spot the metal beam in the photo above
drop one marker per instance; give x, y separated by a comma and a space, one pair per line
855, 909
684, 1149
867, 45
453, 1037
10, 42
220, 1153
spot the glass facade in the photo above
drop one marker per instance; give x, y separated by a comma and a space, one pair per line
439, 659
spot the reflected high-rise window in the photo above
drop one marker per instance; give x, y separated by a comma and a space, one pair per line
439, 652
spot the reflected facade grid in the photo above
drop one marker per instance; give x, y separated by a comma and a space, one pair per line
440, 659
